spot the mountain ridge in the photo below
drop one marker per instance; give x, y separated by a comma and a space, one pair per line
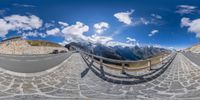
120, 52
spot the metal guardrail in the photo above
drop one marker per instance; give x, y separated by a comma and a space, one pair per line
124, 65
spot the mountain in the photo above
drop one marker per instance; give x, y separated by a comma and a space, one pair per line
194, 48
120, 52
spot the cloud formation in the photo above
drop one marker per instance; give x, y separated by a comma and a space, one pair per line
99, 39
101, 27
19, 23
153, 32
75, 32
23, 5
192, 25
124, 17
156, 16
185, 9
33, 34
53, 32
63, 23
144, 21
130, 40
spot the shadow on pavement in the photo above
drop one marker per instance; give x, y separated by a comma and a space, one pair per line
126, 78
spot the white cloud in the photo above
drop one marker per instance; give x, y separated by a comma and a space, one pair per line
144, 21
185, 22
130, 40
75, 32
19, 23
29, 34
147, 21
33, 34
116, 43
101, 27
63, 23
193, 25
63, 43
99, 39
23, 5
153, 32
24, 22
47, 25
185, 9
124, 17
156, 16
4, 27
53, 32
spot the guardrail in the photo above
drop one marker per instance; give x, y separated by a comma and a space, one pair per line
126, 65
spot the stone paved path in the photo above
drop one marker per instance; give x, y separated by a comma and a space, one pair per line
74, 80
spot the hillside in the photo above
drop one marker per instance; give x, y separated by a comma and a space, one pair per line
195, 48
42, 43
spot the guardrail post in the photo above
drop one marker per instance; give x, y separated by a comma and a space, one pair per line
92, 58
123, 68
149, 64
101, 62
101, 66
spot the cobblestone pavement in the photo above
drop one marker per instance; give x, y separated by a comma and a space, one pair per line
74, 80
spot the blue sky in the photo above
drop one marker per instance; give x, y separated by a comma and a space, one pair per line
164, 23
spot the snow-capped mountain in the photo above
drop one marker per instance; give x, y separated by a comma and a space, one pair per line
120, 52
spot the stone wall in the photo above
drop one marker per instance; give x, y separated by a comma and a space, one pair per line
21, 46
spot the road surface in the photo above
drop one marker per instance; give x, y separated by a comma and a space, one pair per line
76, 80
31, 64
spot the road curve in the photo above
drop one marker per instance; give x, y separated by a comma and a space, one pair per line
76, 80
31, 63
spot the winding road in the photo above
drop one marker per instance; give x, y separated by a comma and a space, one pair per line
31, 63
76, 79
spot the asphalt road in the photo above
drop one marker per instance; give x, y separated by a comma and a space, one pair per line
31, 63
194, 57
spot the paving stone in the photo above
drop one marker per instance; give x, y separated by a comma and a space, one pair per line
28, 88
47, 89
160, 88
15, 86
149, 91
13, 91
42, 85
6, 83
3, 94
67, 93
1, 79
155, 82
2, 87
192, 86
192, 94
84, 87
177, 82
164, 85
18, 81
31, 97
70, 86
176, 85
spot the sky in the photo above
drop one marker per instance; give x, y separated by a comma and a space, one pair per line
162, 23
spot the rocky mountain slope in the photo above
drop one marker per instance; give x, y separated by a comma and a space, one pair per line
119, 52
195, 48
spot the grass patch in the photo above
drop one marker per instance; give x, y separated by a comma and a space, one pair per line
42, 43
